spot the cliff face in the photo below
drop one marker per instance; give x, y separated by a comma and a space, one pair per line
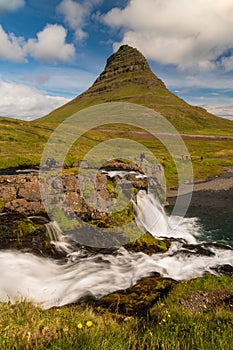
125, 66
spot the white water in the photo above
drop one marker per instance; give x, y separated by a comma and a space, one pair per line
123, 173
151, 217
51, 283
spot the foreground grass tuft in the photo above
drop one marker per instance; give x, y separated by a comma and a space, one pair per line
173, 324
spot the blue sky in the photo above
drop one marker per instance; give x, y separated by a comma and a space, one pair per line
52, 50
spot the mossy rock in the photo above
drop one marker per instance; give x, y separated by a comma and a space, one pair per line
120, 164
2, 204
25, 227
137, 300
148, 245
18, 232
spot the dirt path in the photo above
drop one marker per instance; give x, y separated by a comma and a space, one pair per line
145, 134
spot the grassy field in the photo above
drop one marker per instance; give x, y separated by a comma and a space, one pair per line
22, 144
187, 319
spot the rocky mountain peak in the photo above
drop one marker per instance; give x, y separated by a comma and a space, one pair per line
125, 66
126, 59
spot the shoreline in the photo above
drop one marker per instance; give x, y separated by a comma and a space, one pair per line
214, 193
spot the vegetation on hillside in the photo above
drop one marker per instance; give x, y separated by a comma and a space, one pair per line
22, 143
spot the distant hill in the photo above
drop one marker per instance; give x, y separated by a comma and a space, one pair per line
127, 77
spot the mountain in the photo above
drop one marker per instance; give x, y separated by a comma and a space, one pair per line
127, 77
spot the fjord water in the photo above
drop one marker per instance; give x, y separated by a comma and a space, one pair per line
54, 283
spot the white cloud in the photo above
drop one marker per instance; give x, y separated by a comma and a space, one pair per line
76, 15
11, 47
24, 102
10, 5
208, 80
224, 111
50, 45
222, 107
185, 33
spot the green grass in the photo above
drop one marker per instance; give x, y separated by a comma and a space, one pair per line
217, 155
171, 325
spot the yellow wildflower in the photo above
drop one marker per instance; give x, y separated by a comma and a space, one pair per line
80, 326
89, 323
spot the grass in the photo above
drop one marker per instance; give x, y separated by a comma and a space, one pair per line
171, 325
217, 155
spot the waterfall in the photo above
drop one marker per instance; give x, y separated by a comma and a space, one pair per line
151, 217
50, 282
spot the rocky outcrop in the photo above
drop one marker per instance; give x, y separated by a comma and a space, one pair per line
138, 299
28, 235
126, 66
79, 205
21, 194
90, 194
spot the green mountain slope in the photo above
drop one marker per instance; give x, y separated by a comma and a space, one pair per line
21, 142
127, 77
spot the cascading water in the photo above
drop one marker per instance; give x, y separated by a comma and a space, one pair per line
53, 283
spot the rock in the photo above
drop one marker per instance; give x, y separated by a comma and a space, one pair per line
100, 200
148, 245
124, 64
225, 270
21, 233
25, 207
30, 190
137, 300
120, 164
7, 193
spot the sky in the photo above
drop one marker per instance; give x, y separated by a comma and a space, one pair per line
53, 50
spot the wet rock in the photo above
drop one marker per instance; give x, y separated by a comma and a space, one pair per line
137, 300
25, 234
148, 245
225, 270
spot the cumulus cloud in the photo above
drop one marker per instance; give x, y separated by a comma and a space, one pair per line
27, 103
10, 6
194, 33
76, 15
11, 47
50, 45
